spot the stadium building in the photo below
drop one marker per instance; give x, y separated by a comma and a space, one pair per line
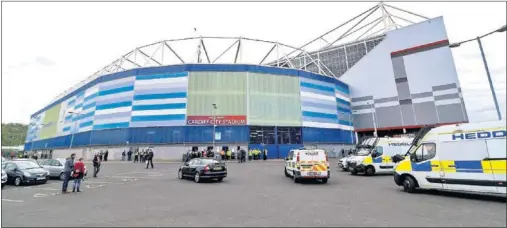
261, 94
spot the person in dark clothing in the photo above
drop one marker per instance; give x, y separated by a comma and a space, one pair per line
96, 165
149, 158
101, 155
129, 155
67, 169
343, 153
243, 156
123, 155
106, 154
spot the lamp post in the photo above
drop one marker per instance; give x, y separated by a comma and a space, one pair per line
215, 107
374, 118
454, 45
74, 130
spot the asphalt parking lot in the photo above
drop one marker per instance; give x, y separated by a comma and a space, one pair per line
254, 194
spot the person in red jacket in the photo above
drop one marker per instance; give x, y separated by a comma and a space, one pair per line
79, 169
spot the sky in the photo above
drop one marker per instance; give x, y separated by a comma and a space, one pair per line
49, 47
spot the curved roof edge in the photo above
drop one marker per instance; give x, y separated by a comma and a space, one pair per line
196, 68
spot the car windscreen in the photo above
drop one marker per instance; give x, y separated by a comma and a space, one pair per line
27, 165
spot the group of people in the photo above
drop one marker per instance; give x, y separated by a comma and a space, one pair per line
75, 170
142, 155
255, 154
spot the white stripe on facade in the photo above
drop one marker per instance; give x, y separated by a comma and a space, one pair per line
448, 102
337, 95
117, 81
162, 81
113, 110
318, 96
387, 104
159, 112
423, 99
160, 101
320, 125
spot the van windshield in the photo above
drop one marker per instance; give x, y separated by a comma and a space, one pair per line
363, 152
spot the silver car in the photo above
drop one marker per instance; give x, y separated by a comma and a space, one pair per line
55, 167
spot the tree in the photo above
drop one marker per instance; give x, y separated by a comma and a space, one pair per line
13, 134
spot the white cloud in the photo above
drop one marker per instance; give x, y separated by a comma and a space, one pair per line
49, 47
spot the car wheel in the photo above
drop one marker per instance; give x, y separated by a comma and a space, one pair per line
180, 174
286, 173
409, 184
324, 181
370, 171
197, 177
62, 176
220, 179
353, 172
17, 181
345, 169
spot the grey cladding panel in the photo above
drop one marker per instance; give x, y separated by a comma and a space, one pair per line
407, 114
444, 87
403, 90
422, 95
426, 113
446, 97
387, 99
388, 116
362, 121
450, 113
357, 99
399, 67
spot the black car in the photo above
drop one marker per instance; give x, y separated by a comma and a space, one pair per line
203, 168
25, 171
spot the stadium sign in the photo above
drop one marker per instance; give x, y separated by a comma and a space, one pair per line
220, 120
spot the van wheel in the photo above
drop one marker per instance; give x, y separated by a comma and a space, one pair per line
409, 184
324, 181
180, 174
286, 173
370, 171
296, 180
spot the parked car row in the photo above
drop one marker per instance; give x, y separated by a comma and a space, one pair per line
28, 171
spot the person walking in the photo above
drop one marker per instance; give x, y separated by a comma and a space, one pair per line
79, 169
265, 154
106, 154
149, 158
67, 169
96, 165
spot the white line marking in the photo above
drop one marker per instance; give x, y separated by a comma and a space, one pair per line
16, 201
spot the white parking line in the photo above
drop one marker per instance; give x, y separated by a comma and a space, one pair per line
16, 201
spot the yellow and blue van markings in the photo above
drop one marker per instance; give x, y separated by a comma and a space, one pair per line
490, 166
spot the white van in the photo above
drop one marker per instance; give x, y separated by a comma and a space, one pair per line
342, 162
307, 164
462, 157
375, 157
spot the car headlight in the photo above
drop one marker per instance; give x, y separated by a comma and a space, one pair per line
27, 174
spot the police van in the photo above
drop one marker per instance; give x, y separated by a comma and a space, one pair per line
307, 164
375, 156
342, 162
463, 157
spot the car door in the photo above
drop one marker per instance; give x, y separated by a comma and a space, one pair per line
10, 169
186, 168
288, 161
193, 167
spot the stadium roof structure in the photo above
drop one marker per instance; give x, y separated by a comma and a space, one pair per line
362, 28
